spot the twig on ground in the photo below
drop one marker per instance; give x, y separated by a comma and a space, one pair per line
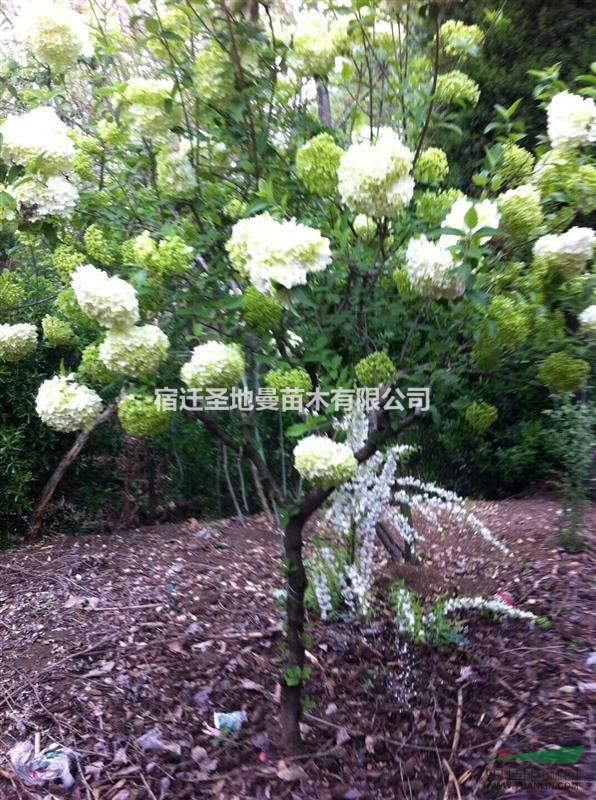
458, 719
506, 731
452, 778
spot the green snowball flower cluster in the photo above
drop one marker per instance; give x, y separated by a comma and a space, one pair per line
213, 76
98, 247
139, 415
432, 166
322, 461
83, 166
92, 367
235, 208
12, 291
432, 207
297, 380
457, 88
480, 416
516, 165
56, 331
261, 311
513, 321
401, 279
317, 162
563, 373
172, 256
109, 133
459, 39
67, 306
521, 211
377, 369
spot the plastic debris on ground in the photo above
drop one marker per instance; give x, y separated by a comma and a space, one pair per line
54, 764
231, 722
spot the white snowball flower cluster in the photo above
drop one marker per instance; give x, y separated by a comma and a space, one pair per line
213, 365
430, 270
567, 252
65, 405
322, 461
109, 300
36, 199
53, 33
571, 120
316, 42
374, 177
268, 252
587, 319
487, 214
17, 341
38, 135
136, 351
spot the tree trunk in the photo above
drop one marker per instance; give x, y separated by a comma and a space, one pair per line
389, 543
39, 512
323, 102
291, 695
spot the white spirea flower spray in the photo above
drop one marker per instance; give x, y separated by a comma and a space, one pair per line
374, 177
66, 406
268, 252
109, 300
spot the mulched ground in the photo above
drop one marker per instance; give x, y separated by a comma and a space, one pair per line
124, 646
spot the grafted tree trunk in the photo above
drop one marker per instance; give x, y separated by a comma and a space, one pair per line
41, 507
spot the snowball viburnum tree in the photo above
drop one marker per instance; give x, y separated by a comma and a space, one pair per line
233, 203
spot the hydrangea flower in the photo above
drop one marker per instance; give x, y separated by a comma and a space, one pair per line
487, 215
374, 177
430, 270
563, 373
432, 166
317, 162
65, 259
213, 75
322, 461
56, 331
571, 120
109, 300
139, 415
317, 40
297, 380
567, 252
262, 312
92, 368
432, 207
268, 252
38, 135
513, 320
377, 369
17, 341
37, 199
459, 39
587, 319
146, 112
516, 165
521, 212
176, 177
65, 405
213, 365
364, 227
480, 416
53, 34
12, 292
457, 88
136, 351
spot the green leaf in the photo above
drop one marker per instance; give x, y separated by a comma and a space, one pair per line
471, 218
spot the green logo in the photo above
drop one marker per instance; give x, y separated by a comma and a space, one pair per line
562, 755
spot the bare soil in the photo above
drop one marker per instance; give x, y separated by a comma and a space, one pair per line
105, 639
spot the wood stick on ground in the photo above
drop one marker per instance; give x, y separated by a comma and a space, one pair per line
458, 719
452, 777
506, 731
